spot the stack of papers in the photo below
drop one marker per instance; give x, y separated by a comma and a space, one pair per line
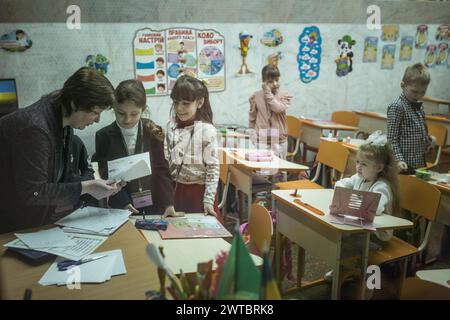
82, 246
130, 168
96, 271
96, 221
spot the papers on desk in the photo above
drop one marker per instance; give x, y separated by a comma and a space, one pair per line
53, 237
440, 276
96, 271
83, 246
130, 168
92, 220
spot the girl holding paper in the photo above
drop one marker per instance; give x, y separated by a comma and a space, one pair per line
131, 134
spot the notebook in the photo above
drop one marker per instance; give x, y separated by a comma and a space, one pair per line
354, 207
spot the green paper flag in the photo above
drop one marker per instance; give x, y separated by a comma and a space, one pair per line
240, 279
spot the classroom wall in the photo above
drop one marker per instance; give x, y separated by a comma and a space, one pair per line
57, 52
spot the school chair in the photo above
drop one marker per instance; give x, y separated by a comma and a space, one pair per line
260, 228
440, 132
422, 199
418, 289
331, 154
347, 118
224, 178
294, 131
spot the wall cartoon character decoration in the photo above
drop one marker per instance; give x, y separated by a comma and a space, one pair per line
442, 32
430, 55
309, 54
387, 56
272, 38
344, 63
442, 54
370, 49
98, 62
421, 36
244, 40
274, 58
390, 32
15, 41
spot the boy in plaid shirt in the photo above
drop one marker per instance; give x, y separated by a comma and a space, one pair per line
407, 129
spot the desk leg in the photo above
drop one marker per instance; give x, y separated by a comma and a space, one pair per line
277, 247
335, 290
364, 259
300, 265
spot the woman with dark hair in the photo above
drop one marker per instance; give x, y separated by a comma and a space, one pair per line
35, 157
131, 134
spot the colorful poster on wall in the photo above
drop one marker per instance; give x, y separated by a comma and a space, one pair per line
309, 55
274, 58
442, 33
161, 56
344, 62
430, 56
406, 48
390, 32
244, 45
421, 36
370, 49
441, 58
387, 56
15, 41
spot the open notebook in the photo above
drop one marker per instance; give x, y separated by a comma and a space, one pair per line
354, 207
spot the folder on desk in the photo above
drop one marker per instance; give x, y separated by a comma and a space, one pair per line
194, 226
354, 207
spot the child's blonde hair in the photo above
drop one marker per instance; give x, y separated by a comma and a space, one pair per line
382, 154
416, 74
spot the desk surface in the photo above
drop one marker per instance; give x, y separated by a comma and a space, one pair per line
276, 163
141, 274
370, 114
322, 198
185, 254
352, 146
435, 100
328, 125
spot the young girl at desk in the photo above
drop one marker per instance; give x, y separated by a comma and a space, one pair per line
131, 134
376, 172
191, 147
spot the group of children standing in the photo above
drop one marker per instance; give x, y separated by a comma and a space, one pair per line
184, 157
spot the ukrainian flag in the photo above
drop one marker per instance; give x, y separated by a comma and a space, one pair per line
7, 92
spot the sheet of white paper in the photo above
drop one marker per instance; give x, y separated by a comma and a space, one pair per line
97, 271
84, 245
53, 237
130, 168
99, 220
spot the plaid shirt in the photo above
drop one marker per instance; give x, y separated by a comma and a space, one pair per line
407, 132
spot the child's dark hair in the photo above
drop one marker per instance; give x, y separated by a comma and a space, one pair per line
133, 90
191, 89
270, 72
382, 154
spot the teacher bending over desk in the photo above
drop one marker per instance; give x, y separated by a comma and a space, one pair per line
34, 156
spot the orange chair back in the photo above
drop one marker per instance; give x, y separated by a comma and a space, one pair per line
439, 131
333, 155
260, 227
294, 127
347, 118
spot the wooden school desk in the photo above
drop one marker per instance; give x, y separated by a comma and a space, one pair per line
372, 121
443, 215
312, 130
332, 243
185, 254
243, 170
141, 274
431, 105
234, 136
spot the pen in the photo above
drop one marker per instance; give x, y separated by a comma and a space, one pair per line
27, 294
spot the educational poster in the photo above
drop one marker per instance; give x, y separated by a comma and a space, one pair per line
406, 47
430, 56
272, 38
344, 62
442, 33
308, 57
421, 36
390, 32
15, 41
387, 56
441, 57
161, 56
244, 45
98, 62
370, 49
194, 226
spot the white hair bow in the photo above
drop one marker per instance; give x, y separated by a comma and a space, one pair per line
377, 138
